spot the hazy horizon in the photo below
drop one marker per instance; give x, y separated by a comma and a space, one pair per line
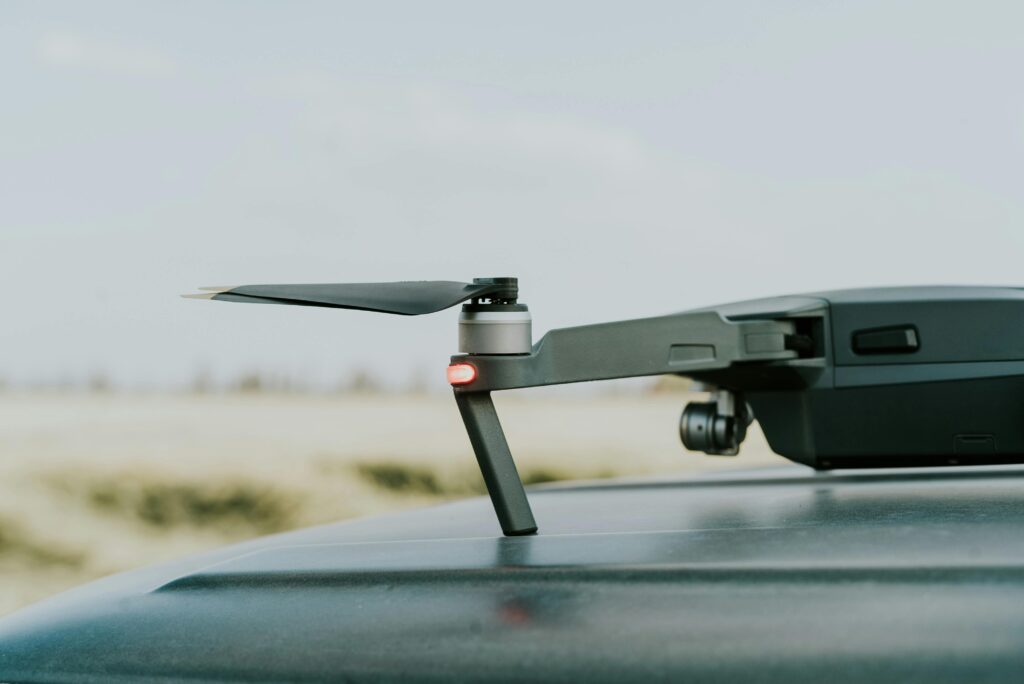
621, 160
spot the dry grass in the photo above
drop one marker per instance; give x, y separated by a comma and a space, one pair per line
94, 484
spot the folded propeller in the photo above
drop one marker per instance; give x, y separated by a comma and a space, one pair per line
411, 298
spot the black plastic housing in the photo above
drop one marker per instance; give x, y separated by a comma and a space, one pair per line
956, 398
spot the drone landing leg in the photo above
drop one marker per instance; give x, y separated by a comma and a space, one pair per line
496, 464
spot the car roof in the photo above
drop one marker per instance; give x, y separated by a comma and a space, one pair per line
778, 575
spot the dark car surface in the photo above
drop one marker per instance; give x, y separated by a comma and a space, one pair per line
776, 575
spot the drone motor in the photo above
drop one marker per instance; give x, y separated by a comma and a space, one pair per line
498, 324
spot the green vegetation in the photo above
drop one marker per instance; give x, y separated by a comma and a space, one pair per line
166, 503
401, 477
241, 507
409, 478
534, 476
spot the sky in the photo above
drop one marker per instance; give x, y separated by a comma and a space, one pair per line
622, 159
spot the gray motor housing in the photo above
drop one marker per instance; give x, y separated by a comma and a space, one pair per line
495, 329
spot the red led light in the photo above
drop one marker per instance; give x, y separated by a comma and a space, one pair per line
461, 374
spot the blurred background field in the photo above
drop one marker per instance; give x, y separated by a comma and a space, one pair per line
95, 481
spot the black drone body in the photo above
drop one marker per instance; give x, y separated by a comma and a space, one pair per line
887, 377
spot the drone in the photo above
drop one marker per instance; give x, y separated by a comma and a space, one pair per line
868, 378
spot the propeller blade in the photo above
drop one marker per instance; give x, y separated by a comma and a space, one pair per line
412, 298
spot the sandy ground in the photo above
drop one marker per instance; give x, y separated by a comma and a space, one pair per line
95, 484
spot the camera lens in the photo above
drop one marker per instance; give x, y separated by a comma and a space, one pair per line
703, 428
697, 426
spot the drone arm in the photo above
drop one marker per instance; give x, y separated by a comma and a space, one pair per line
677, 344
